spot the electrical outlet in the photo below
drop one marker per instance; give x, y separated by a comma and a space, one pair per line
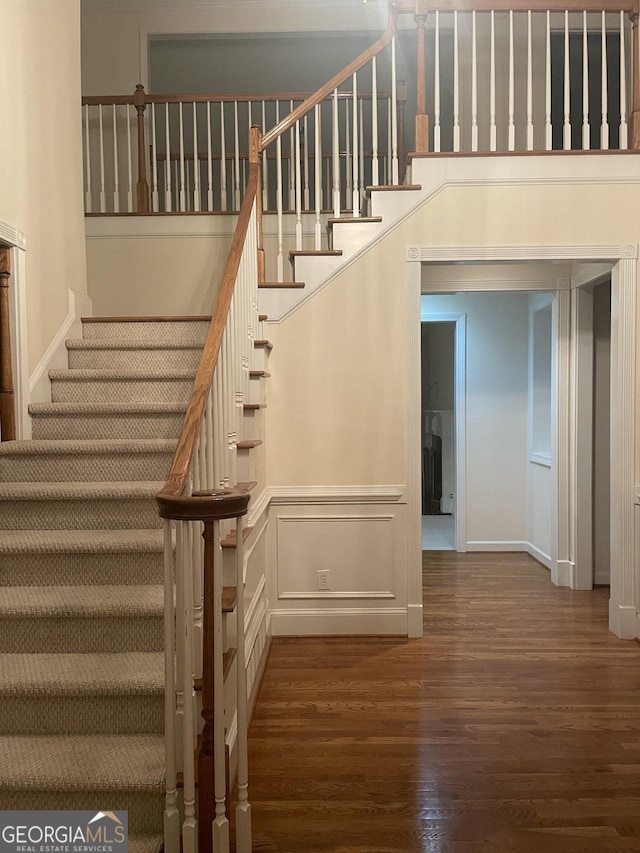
323, 580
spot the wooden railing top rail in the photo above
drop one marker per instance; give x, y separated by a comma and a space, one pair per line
179, 473
189, 98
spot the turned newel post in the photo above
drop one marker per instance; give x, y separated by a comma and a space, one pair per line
255, 142
7, 402
422, 119
635, 83
142, 186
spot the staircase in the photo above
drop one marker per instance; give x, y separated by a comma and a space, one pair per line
81, 561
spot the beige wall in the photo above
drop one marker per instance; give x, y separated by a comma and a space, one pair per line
40, 155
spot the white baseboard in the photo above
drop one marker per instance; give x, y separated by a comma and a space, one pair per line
624, 621
339, 621
495, 545
539, 555
565, 573
56, 355
415, 624
602, 579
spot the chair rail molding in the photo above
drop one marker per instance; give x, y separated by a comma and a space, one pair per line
625, 581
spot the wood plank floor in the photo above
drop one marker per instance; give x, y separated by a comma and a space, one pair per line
513, 725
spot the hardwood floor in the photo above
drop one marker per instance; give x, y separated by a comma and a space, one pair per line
513, 725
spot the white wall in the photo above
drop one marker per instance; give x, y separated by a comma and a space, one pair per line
40, 156
496, 414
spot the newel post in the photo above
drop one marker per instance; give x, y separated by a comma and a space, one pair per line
7, 401
142, 186
255, 144
422, 119
635, 83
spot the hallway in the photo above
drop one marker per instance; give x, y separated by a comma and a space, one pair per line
513, 725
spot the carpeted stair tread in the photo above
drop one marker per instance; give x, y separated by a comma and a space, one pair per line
129, 344
80, 601
73, 409
82, 762
145, 843
100, 374
83, 541
70, 490
45, 447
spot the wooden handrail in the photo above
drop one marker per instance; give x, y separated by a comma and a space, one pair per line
188, 98
179, 473
7, 400
338, 79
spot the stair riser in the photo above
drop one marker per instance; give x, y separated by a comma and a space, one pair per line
33, 634
89, 514
134, 359
144, 807
257, 389
158, 333
107, 426
260, 358
85, 466
77, 569
124, 391
84, 714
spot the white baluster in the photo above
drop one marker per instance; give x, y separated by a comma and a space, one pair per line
155, 200
88, 200
474, 83
395, 179
183, 188
436, 87
335, 143
493, 140
548, 128
265, 164
604, 83
317, 162
387, 179
307, 147
196, 574
566, 128
236, 138
211, 481
361, 180
196, 160
209, 161
171, 813
586, 132
456, 85
103, 196
348, 164
220, 828
189, 825
374, 124
298, 193
355, 190
624, 131
243, 809
223, 160
129, 165
168, 201
292, 171
529, 84
511, 143
280, 258
116, 187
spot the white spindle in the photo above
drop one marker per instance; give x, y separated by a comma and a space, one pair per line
209, 161
395, 179
223, 160
280, 258
335, 145
474, 83
355, 189
566, 128
387, 177
155, 199
529, 84
348, 166
604, 84
103, 196
298, 194
317, 179
292, 170
196, 160
624, 130
236, 141
362, 163
243, 809
493, 141
88, 201
183, 188
116, 186
374, 123
129, 164
171, 813
220, 828
265, 163
511, 141
307, 155
586, 132
548, 128
168, 201
211, 482
436, 85
456, 85
189, 825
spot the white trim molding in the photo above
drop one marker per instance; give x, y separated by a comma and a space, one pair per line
335, 494
16, 239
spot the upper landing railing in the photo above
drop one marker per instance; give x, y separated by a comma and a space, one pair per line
486, 77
